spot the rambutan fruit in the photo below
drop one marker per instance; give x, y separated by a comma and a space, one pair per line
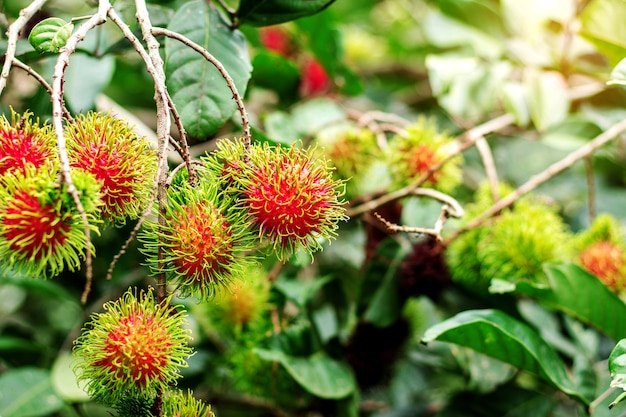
276, 39
422, 146
136, 347
180, 404
424, 270
23, 142
122, 161
224, 165
41, 231
351, 153
601, 251
292, 198
245, 299
204, 240
314, 79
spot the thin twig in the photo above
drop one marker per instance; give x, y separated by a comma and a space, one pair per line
545, 175
490, 167
13, 34
247, 137
57, 121
163, 131
451, 207
465, 141
591, 187
43, 82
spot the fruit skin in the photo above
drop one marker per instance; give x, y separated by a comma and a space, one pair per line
292, 198
352, 153
601, 251
180, 404
513, 247
123, 162
422, 146
24, 142
134, 348
41, 231
314, 79
204, 241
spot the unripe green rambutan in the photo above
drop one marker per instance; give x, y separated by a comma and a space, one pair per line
521, 241
24, 142
292, 198
601, 251
135, 348
422, 146
204, 240
123, 162
246, 298
351, 153
41, 231
180, 404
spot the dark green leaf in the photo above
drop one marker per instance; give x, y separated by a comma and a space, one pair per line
50, 34
201, 95
85, 78
271, 12
583, 296
301, 291
498, 335
276, 73
319, 374
27, 392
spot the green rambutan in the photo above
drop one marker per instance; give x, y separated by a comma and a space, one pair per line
422, 146
351, 153
204, 240
180, 404
41, 231
292, 198
134, 348
24, 142
123, 162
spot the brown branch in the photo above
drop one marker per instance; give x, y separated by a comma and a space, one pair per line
591, 187
247, 137
13, 34
465, 141
57, 121
547, 174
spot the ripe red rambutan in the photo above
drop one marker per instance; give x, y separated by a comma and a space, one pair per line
607, 262
314, 78
123, 162
41, 232
135, 347
275, 39
24, 142
204, 238
292, 198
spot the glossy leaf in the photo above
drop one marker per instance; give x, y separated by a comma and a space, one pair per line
27, 392
603, 25
64, 380
272, 12
319, 374
272, 71
50, 35
617, 368
583, 296
618, 75
201, 95
498, 335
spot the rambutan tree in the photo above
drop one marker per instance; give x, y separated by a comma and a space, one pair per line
312, 208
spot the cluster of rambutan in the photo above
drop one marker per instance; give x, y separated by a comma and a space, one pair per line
280, 198
41, 228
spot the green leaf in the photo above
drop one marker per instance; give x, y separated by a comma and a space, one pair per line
64, 381
617, 368
603, 25
498, 335
583, 296
27, 392
50, 35
312, 116
319, 374
277, 73
618, 75
85, 79
271, 12
547, 98
201, 95
301, 291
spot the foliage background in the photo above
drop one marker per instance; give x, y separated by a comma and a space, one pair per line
343, 317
